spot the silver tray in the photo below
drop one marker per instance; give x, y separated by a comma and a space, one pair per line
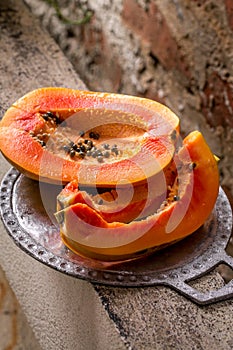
33, 229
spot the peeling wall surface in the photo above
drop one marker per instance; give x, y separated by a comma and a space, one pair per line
178, 52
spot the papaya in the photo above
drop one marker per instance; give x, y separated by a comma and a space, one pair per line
131, 184
58, 135
122, 203
88, 230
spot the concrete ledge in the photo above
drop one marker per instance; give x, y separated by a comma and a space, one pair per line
67, 313
15, 332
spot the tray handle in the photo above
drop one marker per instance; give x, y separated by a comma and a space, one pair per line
205, 298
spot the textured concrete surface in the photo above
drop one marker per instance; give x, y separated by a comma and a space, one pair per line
159, 318
63, 312
15, 332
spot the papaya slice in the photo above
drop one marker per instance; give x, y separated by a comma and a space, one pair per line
100, 139
123, 203
190, 200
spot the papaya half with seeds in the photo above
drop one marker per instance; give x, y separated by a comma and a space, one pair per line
100, 139
190, 200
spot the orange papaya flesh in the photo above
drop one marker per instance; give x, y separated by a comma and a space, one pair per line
35, 144
189, 203
122, 203
119, 206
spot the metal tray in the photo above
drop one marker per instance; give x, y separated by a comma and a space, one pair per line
32, 227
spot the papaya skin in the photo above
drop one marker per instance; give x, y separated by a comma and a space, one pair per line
198, 191
24, 117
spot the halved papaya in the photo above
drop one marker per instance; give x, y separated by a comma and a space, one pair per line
101, 139
189, 202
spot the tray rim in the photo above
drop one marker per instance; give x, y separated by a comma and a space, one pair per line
118, 278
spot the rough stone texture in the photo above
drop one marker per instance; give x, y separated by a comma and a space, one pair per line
176, 51
167, 321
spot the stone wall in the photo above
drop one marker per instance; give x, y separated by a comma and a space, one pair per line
178, 52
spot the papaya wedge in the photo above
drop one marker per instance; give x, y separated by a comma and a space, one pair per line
190, 200
123, 203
